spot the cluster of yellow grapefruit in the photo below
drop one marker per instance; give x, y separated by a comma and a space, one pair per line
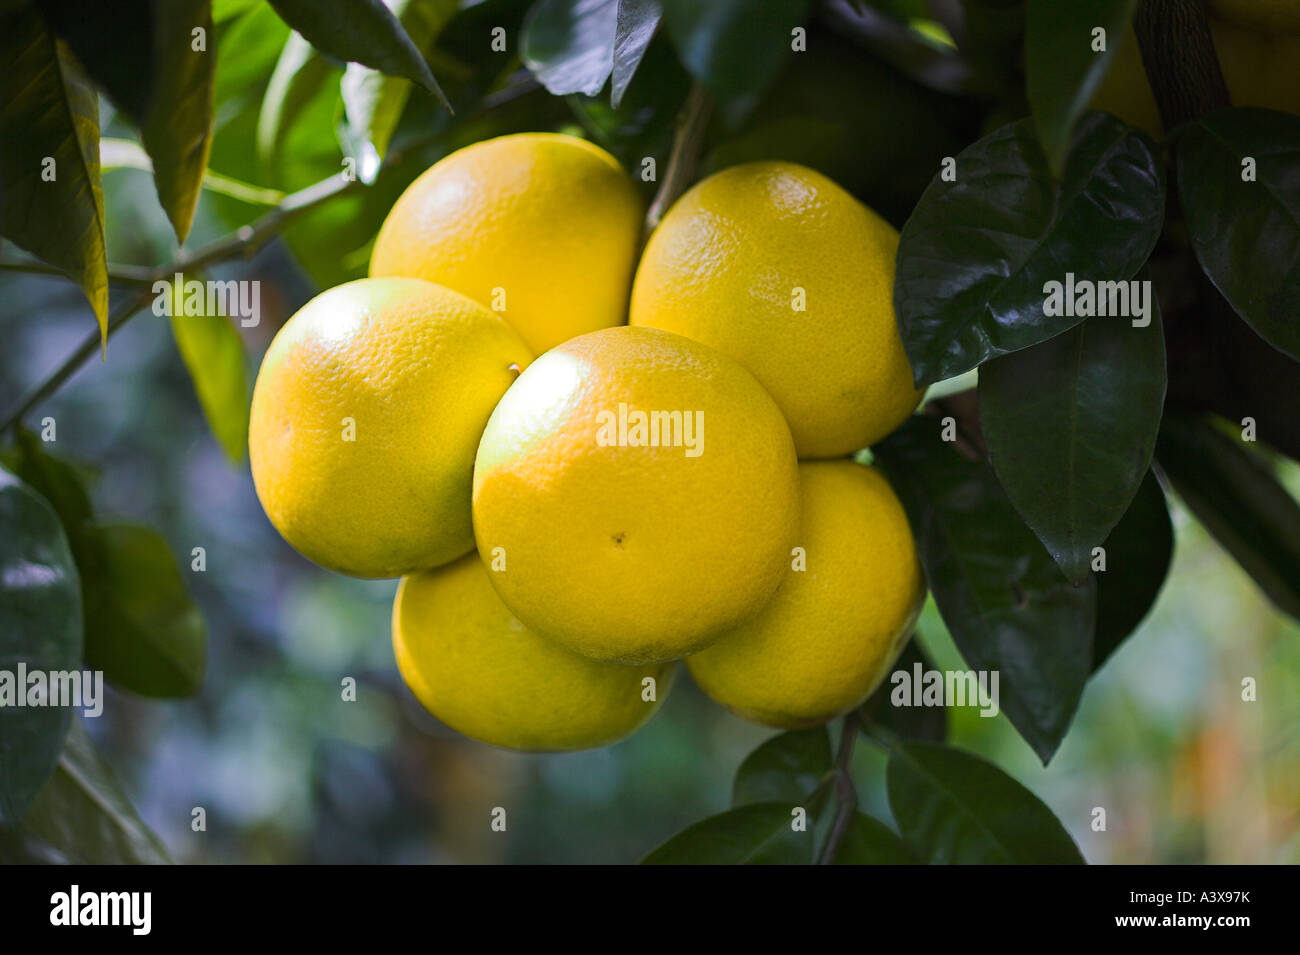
589, 462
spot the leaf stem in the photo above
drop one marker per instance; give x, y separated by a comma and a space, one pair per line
846, 797
242, 243
692, 121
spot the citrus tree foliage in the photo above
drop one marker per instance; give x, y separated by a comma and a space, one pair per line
1037, 500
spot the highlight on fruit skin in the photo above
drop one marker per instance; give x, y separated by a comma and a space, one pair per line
475, 667
542, 228
365, 419
625, 547
776, 266
835, 627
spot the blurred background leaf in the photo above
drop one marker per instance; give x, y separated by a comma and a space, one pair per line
1239, 500
214, 354
40, 629
82, 817
141, 628
300, 73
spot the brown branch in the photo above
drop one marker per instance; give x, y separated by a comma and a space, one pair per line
1179, 58
692, 121
846, 797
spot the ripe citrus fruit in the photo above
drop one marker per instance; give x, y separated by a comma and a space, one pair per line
484, 674
539, 227
635, 494
1266, 16
834, 628
366, 416
1260, 69
778, 267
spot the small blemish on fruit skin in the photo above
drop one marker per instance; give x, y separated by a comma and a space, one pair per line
514, 369
618, 539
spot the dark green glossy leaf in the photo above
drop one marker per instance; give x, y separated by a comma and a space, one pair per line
1061, 70
83, 817
927, 724
787, 768
56, 480
757, 834
360, 31
976, 254
1004, 600
40, 629
1138, 552
869, 841
1247, 234
1070, 424
957, 809
635, 28
373, 101
214, 354
569, 44
141, 628
734, 47
50, 111
1239, 500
